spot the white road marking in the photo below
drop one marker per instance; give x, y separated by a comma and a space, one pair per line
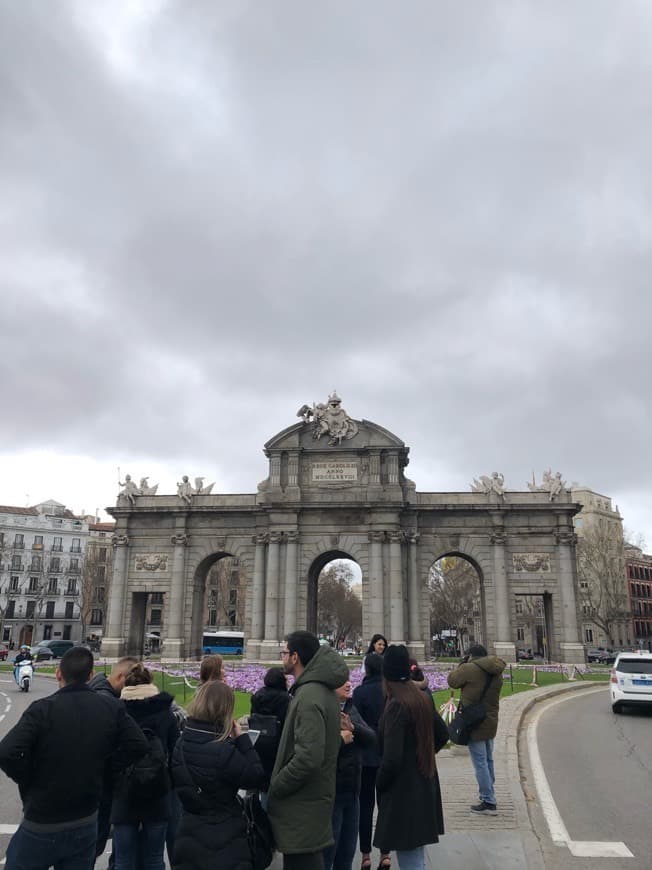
556, 826
8, 829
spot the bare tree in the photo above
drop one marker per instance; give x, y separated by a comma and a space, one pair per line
454, 597
339, 610
224, 595
603, 589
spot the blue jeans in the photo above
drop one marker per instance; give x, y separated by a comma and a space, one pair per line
139, 846
63, 850
482, 756
415, 859
346, 818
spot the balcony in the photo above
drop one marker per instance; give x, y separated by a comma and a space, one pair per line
70, 592
19, 545
74, 569
76, 550
57, 548
53, 592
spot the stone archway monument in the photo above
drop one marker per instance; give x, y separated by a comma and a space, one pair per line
337, 488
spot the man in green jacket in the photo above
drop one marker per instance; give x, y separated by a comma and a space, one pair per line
476, 671
302, 788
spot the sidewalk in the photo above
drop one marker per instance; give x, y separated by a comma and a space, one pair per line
473, 842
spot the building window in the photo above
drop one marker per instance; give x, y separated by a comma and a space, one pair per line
101, 554
33, 584
67, 631
70, 606
212, 617
13, 584
19, 541
519, 605
11, 607
157, 598
47, 632
96, 616
520, 633
57, 545
101, 573
16, 564
36, 563
74, 565
584, 584
588, 635
99, 593
72, 587
155, 618
29, 610
38, 542
55, 564
49, 610
52, 586
75, 546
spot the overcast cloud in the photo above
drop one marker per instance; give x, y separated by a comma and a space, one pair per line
214, 212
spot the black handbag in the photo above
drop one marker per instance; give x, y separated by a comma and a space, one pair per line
259, 832
468, 717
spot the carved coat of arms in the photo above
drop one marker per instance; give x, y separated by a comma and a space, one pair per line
329, 419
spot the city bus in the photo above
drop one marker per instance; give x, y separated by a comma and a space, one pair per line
229, 643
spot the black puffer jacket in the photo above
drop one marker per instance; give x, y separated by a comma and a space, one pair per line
369, 700
153, 713
212, 829
270, 702
349, 759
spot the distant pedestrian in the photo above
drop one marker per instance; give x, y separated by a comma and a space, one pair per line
418, 677
377, 644
272, 700
410, 814
302, 789
369, 700
57, 754
478, 671
212, 760
140, 820
356, 735
211, 668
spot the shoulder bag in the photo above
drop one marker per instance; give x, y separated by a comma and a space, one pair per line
469, 716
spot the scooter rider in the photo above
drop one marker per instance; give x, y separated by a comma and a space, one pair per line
24, 655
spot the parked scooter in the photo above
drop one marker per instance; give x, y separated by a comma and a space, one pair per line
23, 674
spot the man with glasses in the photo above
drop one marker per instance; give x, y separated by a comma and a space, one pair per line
302, 789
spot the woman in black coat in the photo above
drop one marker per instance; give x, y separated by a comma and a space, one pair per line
369, 700
410, 813
140, 821
212, 760
272, 700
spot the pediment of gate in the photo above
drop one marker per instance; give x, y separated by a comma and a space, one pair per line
358, 435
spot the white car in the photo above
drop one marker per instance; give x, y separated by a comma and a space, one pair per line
630, 682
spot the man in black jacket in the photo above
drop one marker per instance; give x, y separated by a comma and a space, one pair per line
56, 753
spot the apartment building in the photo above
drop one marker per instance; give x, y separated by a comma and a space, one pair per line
42, 551
638, 568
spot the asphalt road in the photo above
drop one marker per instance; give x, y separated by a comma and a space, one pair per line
599, 769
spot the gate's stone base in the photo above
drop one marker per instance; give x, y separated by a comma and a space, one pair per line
505, 651
572, 653
113, 647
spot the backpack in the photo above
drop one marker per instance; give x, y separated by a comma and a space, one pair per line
148, 777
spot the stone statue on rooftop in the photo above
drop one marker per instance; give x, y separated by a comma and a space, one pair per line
494, 484
550, 483
129, 492
329, 419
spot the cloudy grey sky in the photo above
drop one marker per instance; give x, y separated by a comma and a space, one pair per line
214, 212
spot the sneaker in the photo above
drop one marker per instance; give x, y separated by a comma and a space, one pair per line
485, 809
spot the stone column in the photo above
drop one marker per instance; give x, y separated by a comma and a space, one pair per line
504, 646
113, 644
269, 648
572, 650
376, 603
173, 645
257, 599
416, 645
290, 621
396, 629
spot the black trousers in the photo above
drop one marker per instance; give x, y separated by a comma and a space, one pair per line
313, 861
367, 804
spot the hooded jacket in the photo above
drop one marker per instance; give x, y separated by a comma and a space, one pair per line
302, 790
471, 679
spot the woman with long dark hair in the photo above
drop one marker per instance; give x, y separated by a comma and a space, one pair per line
377, 644
410, 813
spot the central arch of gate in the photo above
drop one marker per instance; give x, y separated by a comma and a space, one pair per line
337, 488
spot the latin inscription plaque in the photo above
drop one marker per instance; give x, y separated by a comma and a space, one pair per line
334, 472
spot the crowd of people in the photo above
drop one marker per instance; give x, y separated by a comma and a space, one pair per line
113, 753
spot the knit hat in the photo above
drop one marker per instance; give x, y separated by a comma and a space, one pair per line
396, 664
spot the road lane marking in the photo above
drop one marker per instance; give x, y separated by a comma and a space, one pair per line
8, 829
558, 831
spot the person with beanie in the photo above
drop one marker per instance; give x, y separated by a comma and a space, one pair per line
479, 672
410, 813
369, 700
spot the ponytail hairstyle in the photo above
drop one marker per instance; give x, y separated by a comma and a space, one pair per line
138, 675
